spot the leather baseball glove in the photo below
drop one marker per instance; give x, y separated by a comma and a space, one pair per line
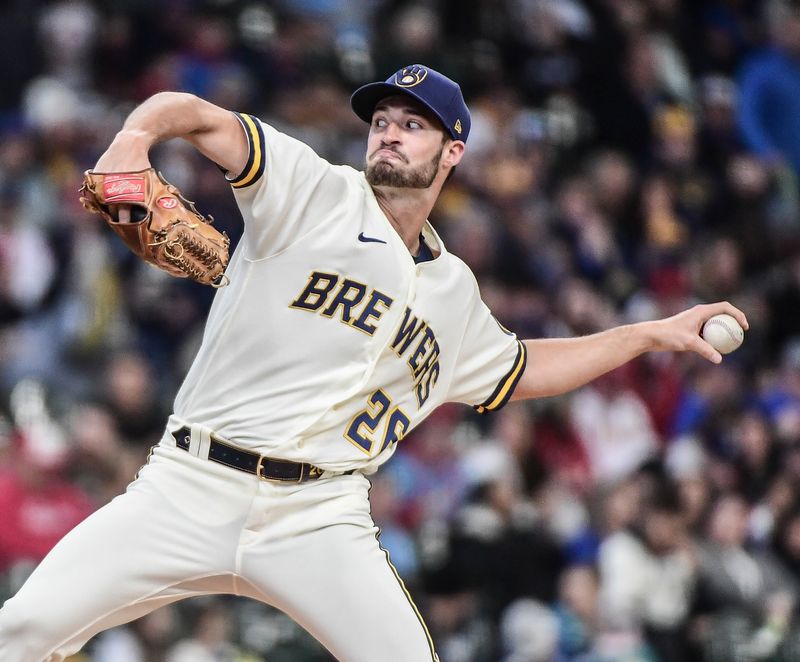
166, 229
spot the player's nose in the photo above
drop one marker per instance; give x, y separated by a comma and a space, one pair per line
391, 134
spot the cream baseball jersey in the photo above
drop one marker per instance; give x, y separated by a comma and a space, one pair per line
331, 343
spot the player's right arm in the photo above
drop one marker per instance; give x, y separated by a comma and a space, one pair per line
560, 365
214, 131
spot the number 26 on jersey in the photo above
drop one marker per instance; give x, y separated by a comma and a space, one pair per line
364, 429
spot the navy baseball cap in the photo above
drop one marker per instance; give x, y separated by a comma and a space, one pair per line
435, 91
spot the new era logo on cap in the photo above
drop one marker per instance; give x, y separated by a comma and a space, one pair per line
436, 91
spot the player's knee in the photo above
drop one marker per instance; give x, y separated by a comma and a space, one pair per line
21, 637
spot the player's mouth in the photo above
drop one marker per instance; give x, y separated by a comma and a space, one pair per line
385, 153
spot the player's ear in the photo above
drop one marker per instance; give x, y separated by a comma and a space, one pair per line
452, 153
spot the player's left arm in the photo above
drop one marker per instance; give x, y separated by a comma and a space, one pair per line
559, 365
215, 132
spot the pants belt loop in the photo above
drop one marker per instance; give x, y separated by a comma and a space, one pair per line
194, 444
205, 443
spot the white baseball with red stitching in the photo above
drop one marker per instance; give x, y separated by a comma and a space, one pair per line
723, 333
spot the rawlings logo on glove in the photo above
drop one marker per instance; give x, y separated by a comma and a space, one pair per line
123, 188
173, 235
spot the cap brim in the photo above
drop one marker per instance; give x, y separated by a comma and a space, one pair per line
365, 98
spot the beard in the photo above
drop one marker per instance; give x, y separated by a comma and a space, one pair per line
382, 173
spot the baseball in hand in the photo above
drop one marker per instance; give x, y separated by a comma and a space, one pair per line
723, 333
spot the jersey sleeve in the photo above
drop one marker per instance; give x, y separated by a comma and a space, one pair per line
280, 187
256, 147
490, 363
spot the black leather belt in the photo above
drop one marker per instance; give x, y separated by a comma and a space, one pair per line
252, 463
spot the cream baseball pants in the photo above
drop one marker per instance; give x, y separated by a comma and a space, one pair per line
187, 526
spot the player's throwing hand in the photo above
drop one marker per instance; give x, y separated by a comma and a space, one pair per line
682, 332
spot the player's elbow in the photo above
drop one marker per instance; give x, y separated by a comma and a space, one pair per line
530, 388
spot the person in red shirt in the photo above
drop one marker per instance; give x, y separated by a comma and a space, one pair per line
37, 505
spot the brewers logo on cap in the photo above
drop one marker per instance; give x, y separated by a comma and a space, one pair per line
435, 91
410, 76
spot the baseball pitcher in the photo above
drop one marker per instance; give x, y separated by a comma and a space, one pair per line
341, 321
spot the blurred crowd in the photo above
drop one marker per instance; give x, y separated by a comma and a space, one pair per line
628, 159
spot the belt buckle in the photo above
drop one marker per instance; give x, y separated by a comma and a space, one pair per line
260, 467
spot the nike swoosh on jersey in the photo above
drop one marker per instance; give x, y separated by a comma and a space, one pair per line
366, 240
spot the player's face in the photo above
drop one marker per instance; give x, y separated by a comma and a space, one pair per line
405, 145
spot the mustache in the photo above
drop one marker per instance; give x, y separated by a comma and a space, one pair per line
390, 149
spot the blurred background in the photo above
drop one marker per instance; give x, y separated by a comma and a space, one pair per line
628, 159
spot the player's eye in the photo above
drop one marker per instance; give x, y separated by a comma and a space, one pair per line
380, 122
414, 124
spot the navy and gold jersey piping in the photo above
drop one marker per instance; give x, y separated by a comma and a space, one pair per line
254, 167
399, 579
507, 384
